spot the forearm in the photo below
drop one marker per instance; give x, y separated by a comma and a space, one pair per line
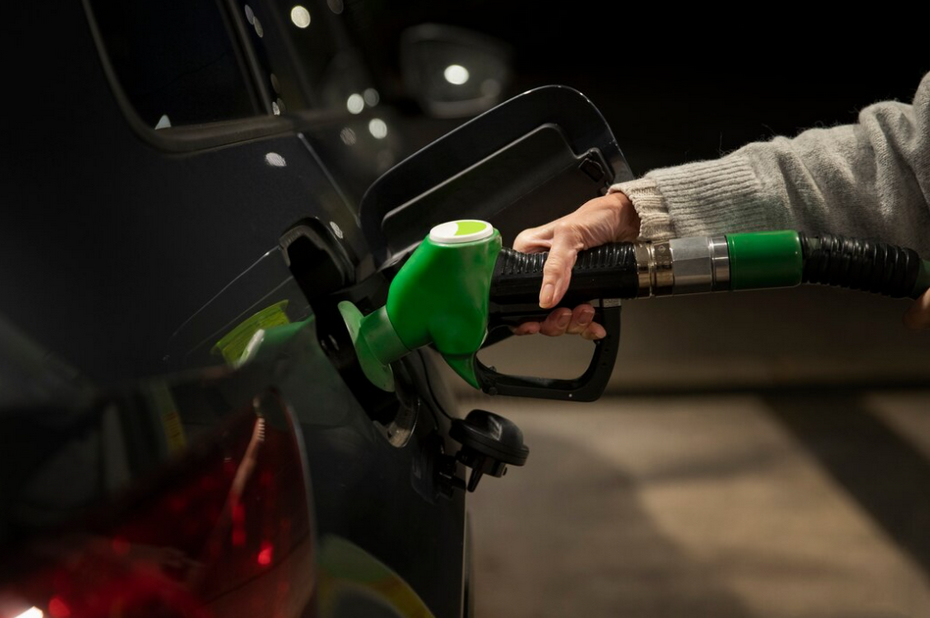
869, 179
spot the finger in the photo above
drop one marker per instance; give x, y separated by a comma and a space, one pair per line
556, 323
918, 315
582, 316
533, 239
557, 271
527, 328
594, 331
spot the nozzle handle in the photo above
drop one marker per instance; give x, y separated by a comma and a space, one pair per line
587, 387
608, 271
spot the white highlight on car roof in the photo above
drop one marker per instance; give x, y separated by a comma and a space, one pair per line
355, 103
275, 160
377, 128
300, 16
32, 612
163, 123
347, 135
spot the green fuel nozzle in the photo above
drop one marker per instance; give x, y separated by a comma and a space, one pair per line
460, 282
439, 297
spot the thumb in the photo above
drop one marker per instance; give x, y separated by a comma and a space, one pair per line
533, 240
557, 272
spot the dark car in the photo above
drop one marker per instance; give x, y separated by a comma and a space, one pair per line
190, 193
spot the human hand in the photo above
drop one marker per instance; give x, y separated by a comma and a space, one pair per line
917, 316
610, 218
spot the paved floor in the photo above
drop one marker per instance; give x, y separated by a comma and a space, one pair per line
783, 499
790, 503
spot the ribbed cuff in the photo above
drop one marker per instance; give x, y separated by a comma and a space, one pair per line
655, 223
713, 197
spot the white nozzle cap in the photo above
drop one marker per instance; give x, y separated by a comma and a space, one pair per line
464, 230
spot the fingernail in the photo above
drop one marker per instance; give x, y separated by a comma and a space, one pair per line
545, 297
564, 319
585, 317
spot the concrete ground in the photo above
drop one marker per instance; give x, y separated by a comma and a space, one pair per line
756, 454
795, 503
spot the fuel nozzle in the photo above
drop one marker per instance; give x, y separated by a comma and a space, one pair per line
459, 283
439, 297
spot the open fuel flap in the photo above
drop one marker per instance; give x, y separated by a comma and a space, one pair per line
528, 161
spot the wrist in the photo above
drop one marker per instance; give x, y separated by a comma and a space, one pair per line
614, 214
650, 207
628, 220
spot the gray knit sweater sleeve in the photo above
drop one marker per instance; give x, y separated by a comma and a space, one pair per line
870, 179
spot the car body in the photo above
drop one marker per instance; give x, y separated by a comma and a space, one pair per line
130, 252
186, 428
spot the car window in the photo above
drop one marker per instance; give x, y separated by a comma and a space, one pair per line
195, 62
293, 44
176, 61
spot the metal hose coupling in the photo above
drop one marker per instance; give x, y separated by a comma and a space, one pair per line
682, 266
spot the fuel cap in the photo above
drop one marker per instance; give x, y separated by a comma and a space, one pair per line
464, 230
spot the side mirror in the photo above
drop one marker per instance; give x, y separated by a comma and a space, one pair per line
451, 72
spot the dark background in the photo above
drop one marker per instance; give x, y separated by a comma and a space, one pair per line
682, 84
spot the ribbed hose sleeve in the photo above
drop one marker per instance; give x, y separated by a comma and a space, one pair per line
859, 264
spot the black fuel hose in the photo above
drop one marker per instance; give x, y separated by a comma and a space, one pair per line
734, 262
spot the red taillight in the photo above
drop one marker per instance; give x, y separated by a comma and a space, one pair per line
265, 554
58, 608
194, 541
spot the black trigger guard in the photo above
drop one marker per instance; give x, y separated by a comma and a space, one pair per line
589, 386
